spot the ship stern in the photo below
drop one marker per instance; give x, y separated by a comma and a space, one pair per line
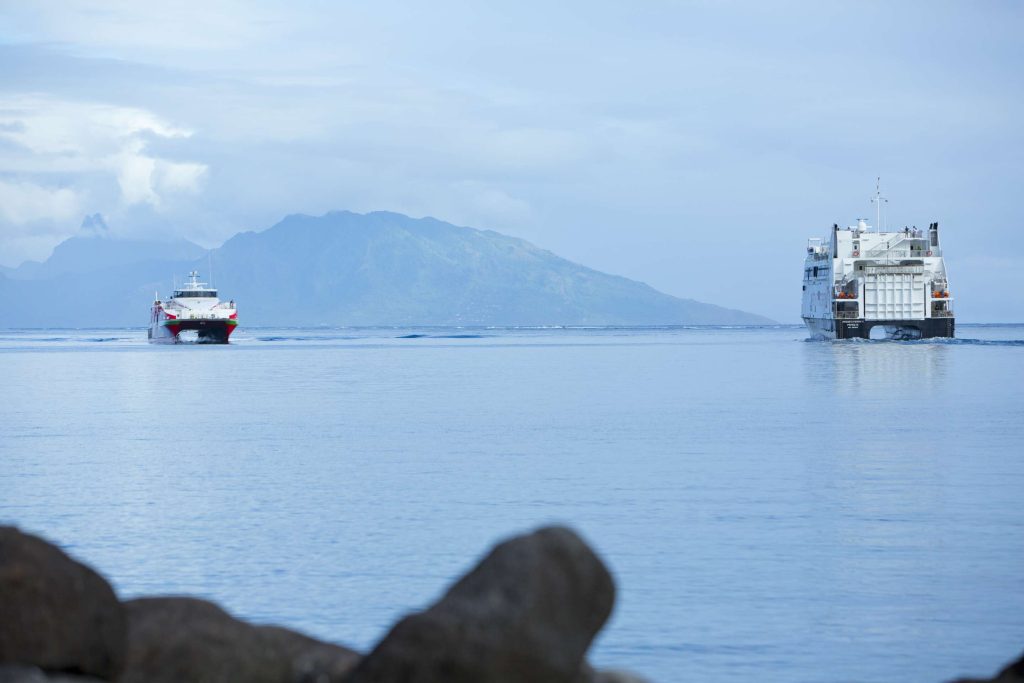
926, 328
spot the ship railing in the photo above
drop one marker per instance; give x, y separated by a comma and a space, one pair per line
192, 315
886, 248
847, 315
942, 314
895, 254
891, 245
890, 250
881, 269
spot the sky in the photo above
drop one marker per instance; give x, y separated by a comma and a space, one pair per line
694, 145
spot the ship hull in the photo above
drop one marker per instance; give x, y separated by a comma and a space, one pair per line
929, 328
209, 331
160, 334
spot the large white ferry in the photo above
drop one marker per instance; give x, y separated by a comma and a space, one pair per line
859, 280
193, 307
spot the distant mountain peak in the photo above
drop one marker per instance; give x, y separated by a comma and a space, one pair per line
94, 226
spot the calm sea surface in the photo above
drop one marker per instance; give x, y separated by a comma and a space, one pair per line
772, 508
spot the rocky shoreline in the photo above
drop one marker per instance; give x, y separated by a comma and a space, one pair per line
526, 613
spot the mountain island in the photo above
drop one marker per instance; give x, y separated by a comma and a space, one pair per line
345, 269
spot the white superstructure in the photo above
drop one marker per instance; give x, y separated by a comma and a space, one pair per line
859, 278
193, 307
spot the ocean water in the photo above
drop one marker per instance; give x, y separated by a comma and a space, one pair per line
772, 508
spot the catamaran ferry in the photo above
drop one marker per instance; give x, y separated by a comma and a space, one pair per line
194, 307
861, 282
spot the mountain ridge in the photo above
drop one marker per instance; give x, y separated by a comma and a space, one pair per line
88, 253
379, 268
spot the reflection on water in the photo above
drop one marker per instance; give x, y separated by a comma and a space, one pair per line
865, 369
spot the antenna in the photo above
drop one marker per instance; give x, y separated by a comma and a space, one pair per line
878, 200
209, 258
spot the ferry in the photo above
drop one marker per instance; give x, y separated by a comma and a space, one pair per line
861, 282
193, 307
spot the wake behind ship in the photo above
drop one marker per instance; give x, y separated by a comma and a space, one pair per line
859, 279
194, 307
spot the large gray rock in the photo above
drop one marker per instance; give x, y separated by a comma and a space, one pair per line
312, 661
615, 676
58, 614
590, 675
18, 673
1013, 673
526, 613
174, 639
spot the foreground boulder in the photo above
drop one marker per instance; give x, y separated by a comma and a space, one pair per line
610, 676
18, 673
57, 614
1013, 673
311, 661
185, 639
526, 613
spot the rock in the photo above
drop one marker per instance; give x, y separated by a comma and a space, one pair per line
58, 614
185, 639
17, 673
526, 613
1013, 673
589, 675
312, 661
173, 639
609, 676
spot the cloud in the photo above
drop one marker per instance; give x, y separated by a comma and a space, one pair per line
35, 217
23, 203
62, 158
48, 136
635, 141
124, 24
487, 205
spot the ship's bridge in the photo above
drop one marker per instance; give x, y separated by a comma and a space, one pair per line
194, 289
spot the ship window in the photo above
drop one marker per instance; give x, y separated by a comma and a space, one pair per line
194, 294
815, 271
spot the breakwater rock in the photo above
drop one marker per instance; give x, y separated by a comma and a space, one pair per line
527, 612
1012, 673
56, 613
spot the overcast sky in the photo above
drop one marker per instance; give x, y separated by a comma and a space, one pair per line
691, 145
